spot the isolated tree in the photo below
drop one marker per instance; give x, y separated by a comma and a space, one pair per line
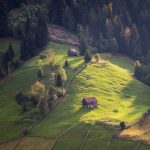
40, 73
59, 81
52, 78
63, 73
37, 90
122, 125
97, 57
87, 57
66, 64
40, 63
22, 100
43, 106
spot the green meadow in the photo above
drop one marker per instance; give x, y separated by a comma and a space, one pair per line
21, 80
120, 97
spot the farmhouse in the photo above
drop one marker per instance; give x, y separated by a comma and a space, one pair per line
90, 102
72, 52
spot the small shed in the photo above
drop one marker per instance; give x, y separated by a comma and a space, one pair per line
90, 102
72, 52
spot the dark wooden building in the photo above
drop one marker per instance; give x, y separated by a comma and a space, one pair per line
90, 102
72, 52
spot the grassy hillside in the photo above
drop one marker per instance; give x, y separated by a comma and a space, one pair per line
120, 98
21, 80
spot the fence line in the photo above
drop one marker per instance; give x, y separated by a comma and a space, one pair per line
60, 135
81, 148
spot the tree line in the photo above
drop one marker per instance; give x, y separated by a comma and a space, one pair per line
28, 22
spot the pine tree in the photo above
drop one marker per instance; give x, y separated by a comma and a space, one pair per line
10, 53
66, 64
59, 81
83, 43
87, 57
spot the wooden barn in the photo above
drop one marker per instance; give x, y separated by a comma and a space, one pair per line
72, 52
90, 102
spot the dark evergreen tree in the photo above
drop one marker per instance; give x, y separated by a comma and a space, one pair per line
10, 53
87, 57
59, 81
3, 17
66, 64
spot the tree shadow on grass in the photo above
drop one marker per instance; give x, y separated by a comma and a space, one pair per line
139, 95
120, 61
138, 92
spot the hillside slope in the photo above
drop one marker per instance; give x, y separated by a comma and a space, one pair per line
21, 80
140, 131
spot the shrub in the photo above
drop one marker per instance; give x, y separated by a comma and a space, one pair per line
66, 64
34, 100
43, 106
97, 57
40, 73
37, 89
60, 92
43, 56
115, 110
21, 98
87, 57
122, 125
25, 131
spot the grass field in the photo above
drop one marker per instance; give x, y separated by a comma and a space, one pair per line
120, 96
115, 89
21, 80
98, 139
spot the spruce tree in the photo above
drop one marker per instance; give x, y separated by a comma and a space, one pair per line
87, 57
10, 53
66, 64
59, 81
